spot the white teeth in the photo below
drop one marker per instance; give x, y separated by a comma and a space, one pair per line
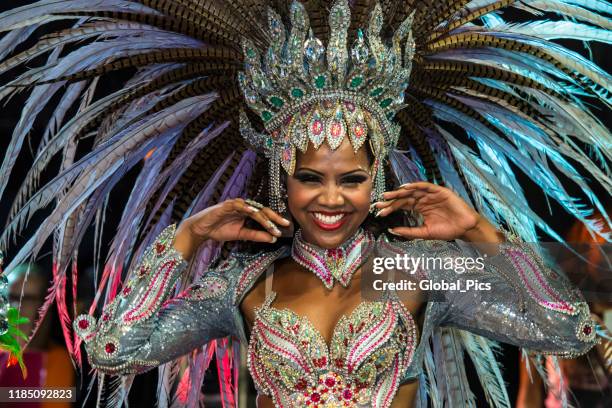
328, 219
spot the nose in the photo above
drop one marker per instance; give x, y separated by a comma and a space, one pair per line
331, 196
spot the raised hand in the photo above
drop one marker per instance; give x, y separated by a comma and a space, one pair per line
226, 222
446, 216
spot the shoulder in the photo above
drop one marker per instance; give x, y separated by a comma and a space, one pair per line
387, 245
240, 270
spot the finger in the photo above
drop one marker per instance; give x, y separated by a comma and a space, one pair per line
410, 232
400, 204
420, 185
382, 204
257, 215
264, 221
390, 195
240, 206
248, 234
275, 217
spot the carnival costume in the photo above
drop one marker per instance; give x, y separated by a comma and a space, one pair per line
225, 96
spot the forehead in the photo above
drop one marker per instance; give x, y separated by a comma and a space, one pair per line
343, 159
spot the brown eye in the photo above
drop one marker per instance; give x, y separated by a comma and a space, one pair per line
307, 178
354, 179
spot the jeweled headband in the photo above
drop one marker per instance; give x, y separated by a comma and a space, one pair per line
304, 93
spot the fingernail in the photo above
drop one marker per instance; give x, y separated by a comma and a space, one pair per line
405, 185
379, 213
285, 222
273, 227
252, 209
393, 232
273, 240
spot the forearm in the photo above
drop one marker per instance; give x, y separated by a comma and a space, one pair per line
145, 326
524, 303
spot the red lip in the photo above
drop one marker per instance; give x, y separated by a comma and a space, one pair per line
330, 227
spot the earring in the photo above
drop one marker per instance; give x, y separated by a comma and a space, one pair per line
378, 187
277, 201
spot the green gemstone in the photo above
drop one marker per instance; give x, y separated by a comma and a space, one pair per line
266, 116
297, 93
355, 82
377, 91
269, 142
320, 81
250, 53
386, 102
276, 101
390, 115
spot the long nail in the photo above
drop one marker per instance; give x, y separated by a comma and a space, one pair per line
252, 209
273, 227
405, 185
273, 240
285, 222
378, 214
393, 232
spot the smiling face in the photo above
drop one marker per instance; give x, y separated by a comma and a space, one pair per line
329, 193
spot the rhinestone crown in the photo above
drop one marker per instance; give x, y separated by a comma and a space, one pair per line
303, 92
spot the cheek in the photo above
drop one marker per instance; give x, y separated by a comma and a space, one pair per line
360, 197
298, 195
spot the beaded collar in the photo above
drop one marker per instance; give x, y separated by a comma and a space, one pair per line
339, 263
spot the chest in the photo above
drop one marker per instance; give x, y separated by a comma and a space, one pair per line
288, 354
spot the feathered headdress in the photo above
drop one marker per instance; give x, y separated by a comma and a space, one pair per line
485, 98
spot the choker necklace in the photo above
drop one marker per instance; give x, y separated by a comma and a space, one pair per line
340, 263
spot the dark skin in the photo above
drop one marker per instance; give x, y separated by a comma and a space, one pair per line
332, 182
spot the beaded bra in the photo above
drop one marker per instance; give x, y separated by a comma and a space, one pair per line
370, 351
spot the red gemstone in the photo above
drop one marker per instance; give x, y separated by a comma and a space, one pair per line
330, 381
110, 348
301, 384
347, 394
83, 324
142, 270
127, 290
587, 330
159, 248
105, 317
315, 397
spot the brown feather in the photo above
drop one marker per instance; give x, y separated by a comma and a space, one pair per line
480, 40
203, 55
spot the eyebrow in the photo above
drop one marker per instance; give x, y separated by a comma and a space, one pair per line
321, 174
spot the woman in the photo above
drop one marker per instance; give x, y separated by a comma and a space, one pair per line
329, 199
337, 124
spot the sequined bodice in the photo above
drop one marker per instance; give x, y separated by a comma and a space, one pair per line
362, 366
